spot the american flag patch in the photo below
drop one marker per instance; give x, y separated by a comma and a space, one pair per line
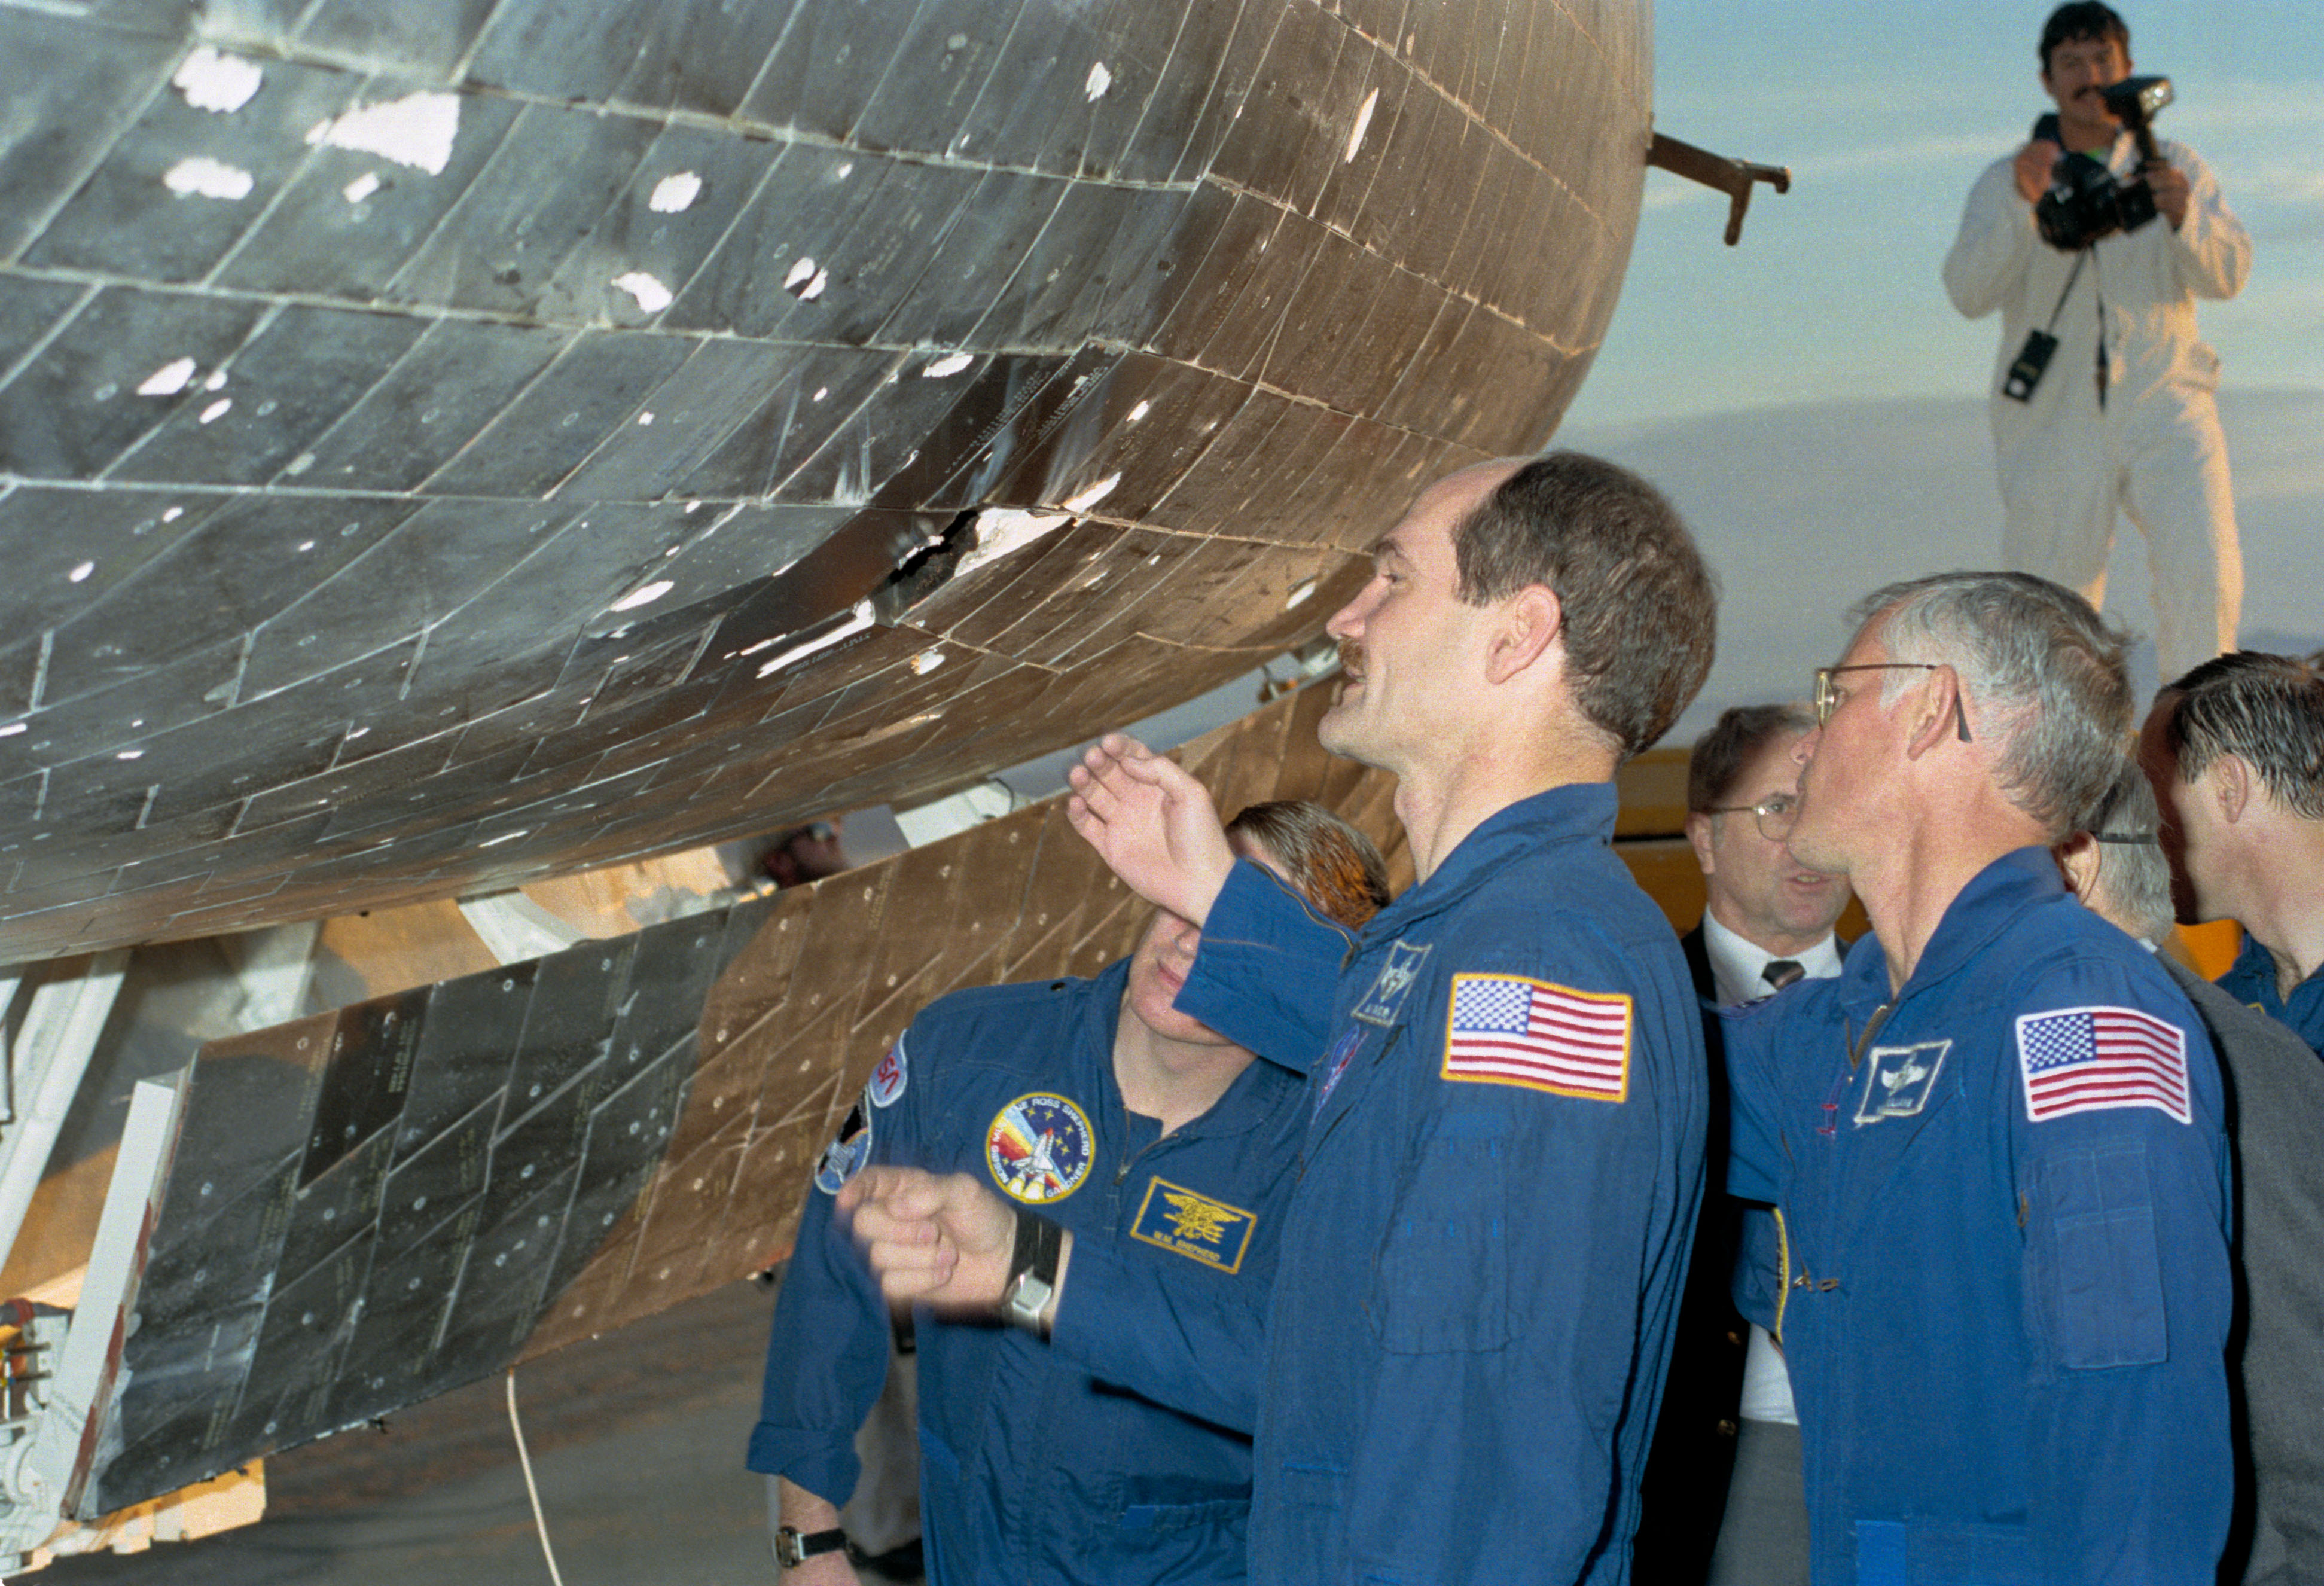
2086, 1059
1509, 1030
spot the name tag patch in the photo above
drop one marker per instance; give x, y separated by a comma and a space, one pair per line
1039, 1148
1901, 1080
844, 1157
1384, 1003
1189, 1223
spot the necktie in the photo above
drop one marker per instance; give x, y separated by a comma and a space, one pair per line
1782, 971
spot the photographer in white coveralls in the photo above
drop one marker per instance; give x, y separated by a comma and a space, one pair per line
2102, 392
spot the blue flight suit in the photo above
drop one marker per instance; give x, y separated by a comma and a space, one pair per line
2004, 1335
2251, 981
1456, 1374
1031, 1472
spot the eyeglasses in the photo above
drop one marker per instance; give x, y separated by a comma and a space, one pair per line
1775, 815
1829, 695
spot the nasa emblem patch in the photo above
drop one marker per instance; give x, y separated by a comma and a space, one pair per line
887, 1082
1039, 1148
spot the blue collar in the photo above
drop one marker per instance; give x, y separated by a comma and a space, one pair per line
2254, 970
1579, 812
1994, 896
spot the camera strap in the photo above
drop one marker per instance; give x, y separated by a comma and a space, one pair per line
2067, 291
2099, 286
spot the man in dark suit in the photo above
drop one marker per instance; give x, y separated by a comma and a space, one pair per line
1727, 1431
2275, 1092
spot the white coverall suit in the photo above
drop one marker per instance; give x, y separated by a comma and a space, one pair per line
2066, 458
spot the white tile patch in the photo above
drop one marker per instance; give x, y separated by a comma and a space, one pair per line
220, 83
651, 295
674, 194
417, 129
198, 176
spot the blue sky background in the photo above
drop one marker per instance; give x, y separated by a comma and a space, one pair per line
1811, 399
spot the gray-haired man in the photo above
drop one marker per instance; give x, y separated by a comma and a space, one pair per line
1997, 1139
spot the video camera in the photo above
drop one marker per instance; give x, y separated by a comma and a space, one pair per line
2085, 201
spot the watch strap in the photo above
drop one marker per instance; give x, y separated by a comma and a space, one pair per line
1032, 1272
794, 1547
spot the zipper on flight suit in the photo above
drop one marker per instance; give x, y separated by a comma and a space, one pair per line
1871, 1029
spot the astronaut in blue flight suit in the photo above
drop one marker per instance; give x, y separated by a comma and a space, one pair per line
1096, 1102
1997, 1139
1455, 1375
2234, 751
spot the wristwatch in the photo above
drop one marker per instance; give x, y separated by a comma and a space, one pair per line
1032, 1273
794, 1547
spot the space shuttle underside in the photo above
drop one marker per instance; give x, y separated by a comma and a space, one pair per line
449, 444
369, 1207
445, 444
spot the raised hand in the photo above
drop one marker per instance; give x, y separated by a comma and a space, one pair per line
1153, 824
2033, 164
945, 1241
2168, 184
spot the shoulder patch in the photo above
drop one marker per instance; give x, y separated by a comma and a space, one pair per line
1384, 1003
1039, 1148
1901, 1080
1507, 1030
1192, 1224
2090, 1059
887, 1081
844, 1157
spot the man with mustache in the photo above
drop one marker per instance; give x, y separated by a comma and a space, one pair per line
2123, 413
1454, 1375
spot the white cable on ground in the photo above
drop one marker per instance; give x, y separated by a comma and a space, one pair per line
532, 1492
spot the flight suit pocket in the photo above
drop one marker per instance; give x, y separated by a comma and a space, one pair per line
1941, 1552
2105, 1283
1440, 1281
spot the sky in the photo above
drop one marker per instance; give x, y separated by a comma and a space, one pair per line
1886, 111
1810, 399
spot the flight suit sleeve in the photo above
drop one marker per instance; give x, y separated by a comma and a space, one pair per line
827, 1351
2120, 1159
1194, 1346
1757, 1287
1995, 245
1265, 974
1523, 1290
2211, 249
1750, 1034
